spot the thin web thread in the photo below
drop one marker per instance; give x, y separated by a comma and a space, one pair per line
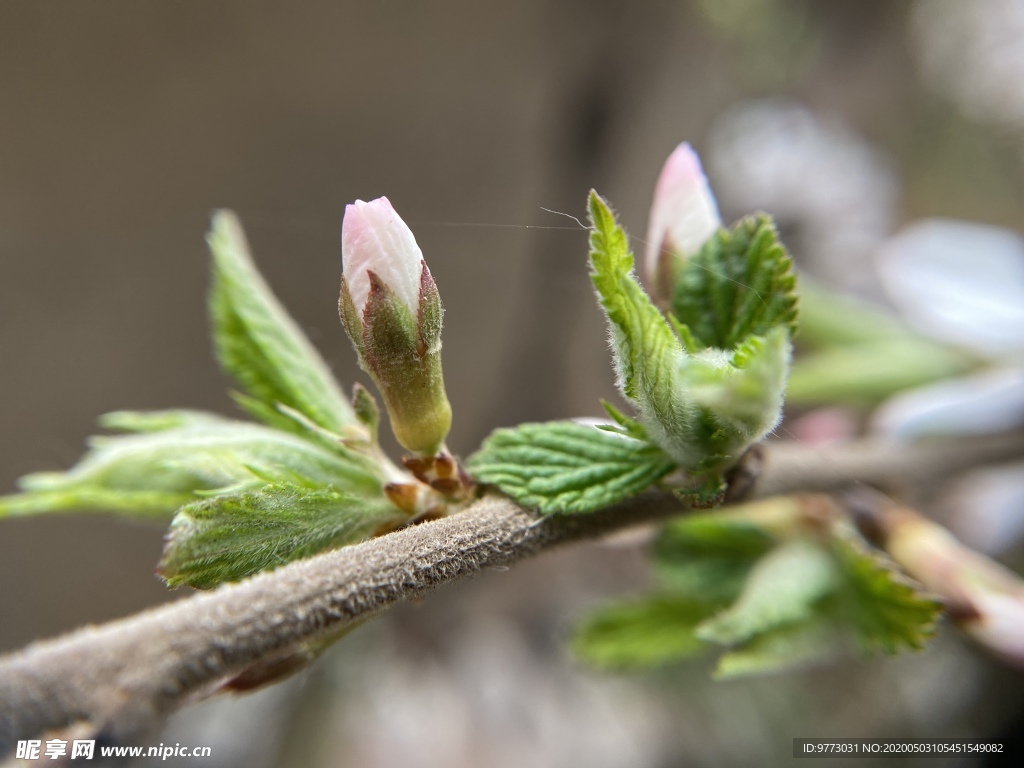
302, 221
581, 225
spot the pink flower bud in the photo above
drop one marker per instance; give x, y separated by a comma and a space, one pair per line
375, 239
984, 598
684, 215
391, 310
999, 624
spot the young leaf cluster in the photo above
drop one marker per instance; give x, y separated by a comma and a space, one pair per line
707, 377
765, 596
245, 497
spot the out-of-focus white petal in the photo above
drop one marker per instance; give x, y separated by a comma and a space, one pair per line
958, 281
988, 508
684, 213
374, 238
828, 186
987, 402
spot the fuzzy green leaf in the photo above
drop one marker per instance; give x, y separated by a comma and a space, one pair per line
782, 589
704, 406
735, 399
564, 466
227, 538
261, 346
887, 610
740, 284
159, 421
780, 649
646, 352
155, 472
645, 633
624, 425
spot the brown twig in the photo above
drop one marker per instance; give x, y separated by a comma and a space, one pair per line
124, 678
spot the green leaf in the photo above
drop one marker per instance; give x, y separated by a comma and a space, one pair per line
735, 399
776, 598
722, 532
781, 649
703, 408
856, 353
365, 408
159, 421
623, 424
783, 588
708, 557
865, 374
259, 344
156, 472
227, 538
646, 351
740, 284
888, 611
564, 466
830, 319
645, 633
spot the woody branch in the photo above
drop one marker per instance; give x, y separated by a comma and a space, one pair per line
124, 678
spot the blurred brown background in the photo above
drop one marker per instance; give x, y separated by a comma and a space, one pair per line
123, 124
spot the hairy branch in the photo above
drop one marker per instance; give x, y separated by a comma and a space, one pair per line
125, 677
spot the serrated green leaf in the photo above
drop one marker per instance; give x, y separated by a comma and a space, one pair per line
647, 352
259, 344
781, 589
740, 284
154, 473
703, 409
887, 610
227, 538
645, 633
708, 557
783, 648
564, 466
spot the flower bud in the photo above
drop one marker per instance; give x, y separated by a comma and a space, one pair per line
984, 598
684, 215
391, 311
